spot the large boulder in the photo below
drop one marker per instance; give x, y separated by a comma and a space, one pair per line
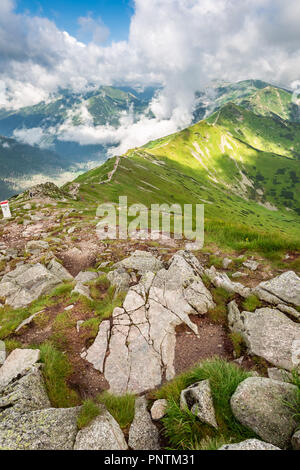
284, 288
17, 363
250, 444
260, 404
103, 433
25, 394
143, 434
46, 429
198, 399
27, 282
268, 333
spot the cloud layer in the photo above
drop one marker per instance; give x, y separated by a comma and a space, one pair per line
181, 44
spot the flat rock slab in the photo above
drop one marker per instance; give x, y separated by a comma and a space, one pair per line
142, 337
103, 433
268, 333
281, 289
259, 404
250, 444
17, 363
49, 429
143, 434
97, 352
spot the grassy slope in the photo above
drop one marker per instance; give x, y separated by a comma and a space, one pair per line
270, 134
205, 163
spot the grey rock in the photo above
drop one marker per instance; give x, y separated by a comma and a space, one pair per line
96, 353
17, 363
292, 312
259, 404
198, 399
250, 264
26, 283
28, 320
296, 441
59, 271
281, 289
226, 262
141, 261
81, 289
103, 433
35, 246
47, 429
279, 374
158, 409
143, 434
250, 444
239, 274
222, 280
86, 276
25, 394
268, 333
120, 279
2, 352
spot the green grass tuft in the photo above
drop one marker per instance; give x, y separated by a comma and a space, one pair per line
251, 303
56, 371
120, 407
88, 412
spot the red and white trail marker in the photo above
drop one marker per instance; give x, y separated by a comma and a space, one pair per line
5, 209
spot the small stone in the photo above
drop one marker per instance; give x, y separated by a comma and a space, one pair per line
78, 325
252, 265
296, 441
28, 320
70, 307
158, 409
198, 399
226, 262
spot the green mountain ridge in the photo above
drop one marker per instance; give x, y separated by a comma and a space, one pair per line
250, 194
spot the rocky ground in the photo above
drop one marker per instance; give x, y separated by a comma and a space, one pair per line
129, 318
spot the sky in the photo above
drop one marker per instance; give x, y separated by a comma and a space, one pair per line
114, 14
179, 44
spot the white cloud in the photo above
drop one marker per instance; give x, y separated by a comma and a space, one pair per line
182, 44
92, 29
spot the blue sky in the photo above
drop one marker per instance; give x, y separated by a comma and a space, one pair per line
115, 14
